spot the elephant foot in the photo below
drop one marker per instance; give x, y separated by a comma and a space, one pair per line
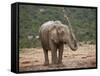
53, 65
60, 64
46, 64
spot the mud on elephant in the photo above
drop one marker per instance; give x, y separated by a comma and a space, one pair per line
53, 36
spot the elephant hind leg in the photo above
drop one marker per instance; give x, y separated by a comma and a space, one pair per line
46, 62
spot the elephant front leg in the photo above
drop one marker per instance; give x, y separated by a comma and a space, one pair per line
46, 57
54, 55
60, 52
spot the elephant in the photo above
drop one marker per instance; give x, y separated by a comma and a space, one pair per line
53, 35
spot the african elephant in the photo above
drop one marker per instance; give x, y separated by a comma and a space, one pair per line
53, 36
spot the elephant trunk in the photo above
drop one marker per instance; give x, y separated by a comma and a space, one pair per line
73, 46
73, 43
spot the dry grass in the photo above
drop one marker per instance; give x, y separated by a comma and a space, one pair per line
32, 59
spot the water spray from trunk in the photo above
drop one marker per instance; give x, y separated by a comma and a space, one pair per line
69, 23
66, 18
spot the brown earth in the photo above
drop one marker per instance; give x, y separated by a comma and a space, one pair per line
31, 59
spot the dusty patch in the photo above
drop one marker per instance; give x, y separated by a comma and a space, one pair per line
31, 59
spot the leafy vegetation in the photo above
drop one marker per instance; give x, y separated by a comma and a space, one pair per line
31, 17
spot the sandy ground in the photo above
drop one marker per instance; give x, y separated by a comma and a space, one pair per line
32, 59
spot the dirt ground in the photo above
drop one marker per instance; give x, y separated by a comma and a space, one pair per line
32, 59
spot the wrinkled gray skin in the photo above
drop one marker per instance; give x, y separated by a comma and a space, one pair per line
53, 36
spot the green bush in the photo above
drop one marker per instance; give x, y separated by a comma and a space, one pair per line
31, 17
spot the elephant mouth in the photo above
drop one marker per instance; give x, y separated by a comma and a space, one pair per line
65, 42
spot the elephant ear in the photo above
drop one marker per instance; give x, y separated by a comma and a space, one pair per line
54, 35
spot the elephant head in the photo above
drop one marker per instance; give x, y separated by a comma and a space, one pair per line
61, 34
